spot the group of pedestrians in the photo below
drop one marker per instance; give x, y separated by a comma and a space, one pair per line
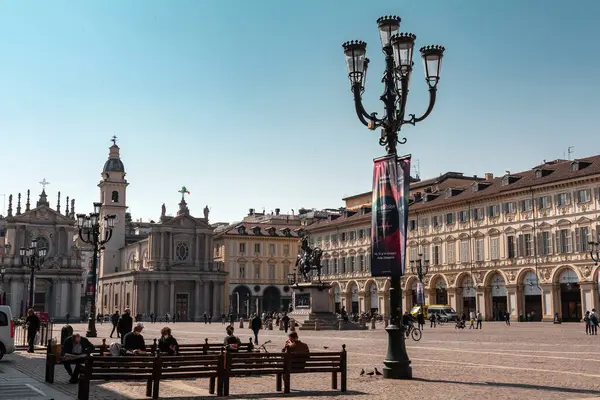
591, 322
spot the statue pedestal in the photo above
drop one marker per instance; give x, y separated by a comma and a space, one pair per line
312, 307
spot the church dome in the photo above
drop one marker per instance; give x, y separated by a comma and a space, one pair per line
114, 165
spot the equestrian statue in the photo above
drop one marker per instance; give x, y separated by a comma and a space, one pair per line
309, 260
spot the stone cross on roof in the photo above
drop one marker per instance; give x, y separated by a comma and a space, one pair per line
44, 183
114, 140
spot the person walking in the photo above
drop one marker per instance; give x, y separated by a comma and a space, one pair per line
286, 322
507, 318
256, 325
33, 327
67, 317
479, 320
125, 324
471, 319
421, 319
205, 316
114, 319
587, 322
432, 320
593, 322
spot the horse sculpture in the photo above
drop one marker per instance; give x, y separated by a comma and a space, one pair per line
309, 260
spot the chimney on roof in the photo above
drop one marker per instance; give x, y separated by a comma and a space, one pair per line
277, 211
489, 176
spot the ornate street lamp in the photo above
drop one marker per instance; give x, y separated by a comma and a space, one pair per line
90, 230
595, 251
398, 50
32, 257
420, 268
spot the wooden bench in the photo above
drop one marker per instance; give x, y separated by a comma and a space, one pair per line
188, 367
283, 365
53, 357
108, 368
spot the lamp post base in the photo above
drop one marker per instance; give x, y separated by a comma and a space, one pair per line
91, 330
397, 364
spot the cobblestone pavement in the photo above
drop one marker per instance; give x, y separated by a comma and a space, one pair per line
527, 360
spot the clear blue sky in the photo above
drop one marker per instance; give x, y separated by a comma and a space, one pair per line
247, 103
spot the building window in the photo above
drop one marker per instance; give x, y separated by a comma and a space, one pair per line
361, 233
463, 216
435, 260
525, 245
479, 256
242, 271
343, 237
182, 251
426, 252
477, 213
510, 246
343, 269
563, 199
564, 241
271, 249
464, 251
450, 246
525, 205
544, 202
510, 208
335, 265
412, 224
105, 300
582, 239
127, 298
286, 269
493, 211
546, 243
242, 247
584, 196
334, 238
413, 254
256, 248
272, 272
114, 196
437, 221
286, 250
352, 264
257, 271
425, 222
116, 300
450, 219
352, 235
494, 248
361, 262
325, 267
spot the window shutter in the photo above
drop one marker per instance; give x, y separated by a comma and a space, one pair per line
597, 237
572, 242
568, 198
540, 203
589, 193
521, 246
578, 239
540, 246
557, 200
521, 205
558, 242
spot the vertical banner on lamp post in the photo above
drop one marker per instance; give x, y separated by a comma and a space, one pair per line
389, 215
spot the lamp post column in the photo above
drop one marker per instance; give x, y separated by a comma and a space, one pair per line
91, 330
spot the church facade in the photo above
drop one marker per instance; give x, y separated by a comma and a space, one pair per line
58, 282
156, 267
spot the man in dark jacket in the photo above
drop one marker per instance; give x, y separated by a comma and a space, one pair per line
73, 351
133, 342
125, 324
286, 322
255, 324
33, 327
114, 319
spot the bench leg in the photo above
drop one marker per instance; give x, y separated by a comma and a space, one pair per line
278, 383
50, 372
334, 380
149, 388
343, 380
286, 382
155, 389
211, 385
225, 389
83, 391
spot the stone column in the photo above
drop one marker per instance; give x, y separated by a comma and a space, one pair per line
162, 248
452, 298
76, 305
197, 260
588, 293
152, 307
217, 299
135, 309
197, 311
547, 302
206, 252
58, 297
172, 298
206, 302
512, 302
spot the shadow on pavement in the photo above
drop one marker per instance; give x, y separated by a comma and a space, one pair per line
515, 385
294, 393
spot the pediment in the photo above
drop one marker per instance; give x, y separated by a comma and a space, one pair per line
510, 229
544, 225
584, 221
563, 222
43, 214
185, 221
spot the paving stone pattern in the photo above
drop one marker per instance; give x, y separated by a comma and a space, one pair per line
527, 360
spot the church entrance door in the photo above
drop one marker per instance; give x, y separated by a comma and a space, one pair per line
181, 306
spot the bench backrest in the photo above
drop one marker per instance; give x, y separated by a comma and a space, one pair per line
186, 366
243, 363
317, 362
119, 368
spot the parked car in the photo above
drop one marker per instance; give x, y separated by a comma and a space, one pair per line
7, 331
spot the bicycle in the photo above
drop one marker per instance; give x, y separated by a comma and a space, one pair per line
414, 332
262, 348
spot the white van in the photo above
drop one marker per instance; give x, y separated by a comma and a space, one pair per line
7, 331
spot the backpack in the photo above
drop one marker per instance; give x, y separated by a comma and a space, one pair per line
115, 349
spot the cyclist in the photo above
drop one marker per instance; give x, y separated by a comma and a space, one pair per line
408, 321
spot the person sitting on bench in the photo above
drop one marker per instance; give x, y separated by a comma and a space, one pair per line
232, 342
167, 343
133, 342
295, 346
74, 350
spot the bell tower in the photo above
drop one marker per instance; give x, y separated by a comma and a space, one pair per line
113, 196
